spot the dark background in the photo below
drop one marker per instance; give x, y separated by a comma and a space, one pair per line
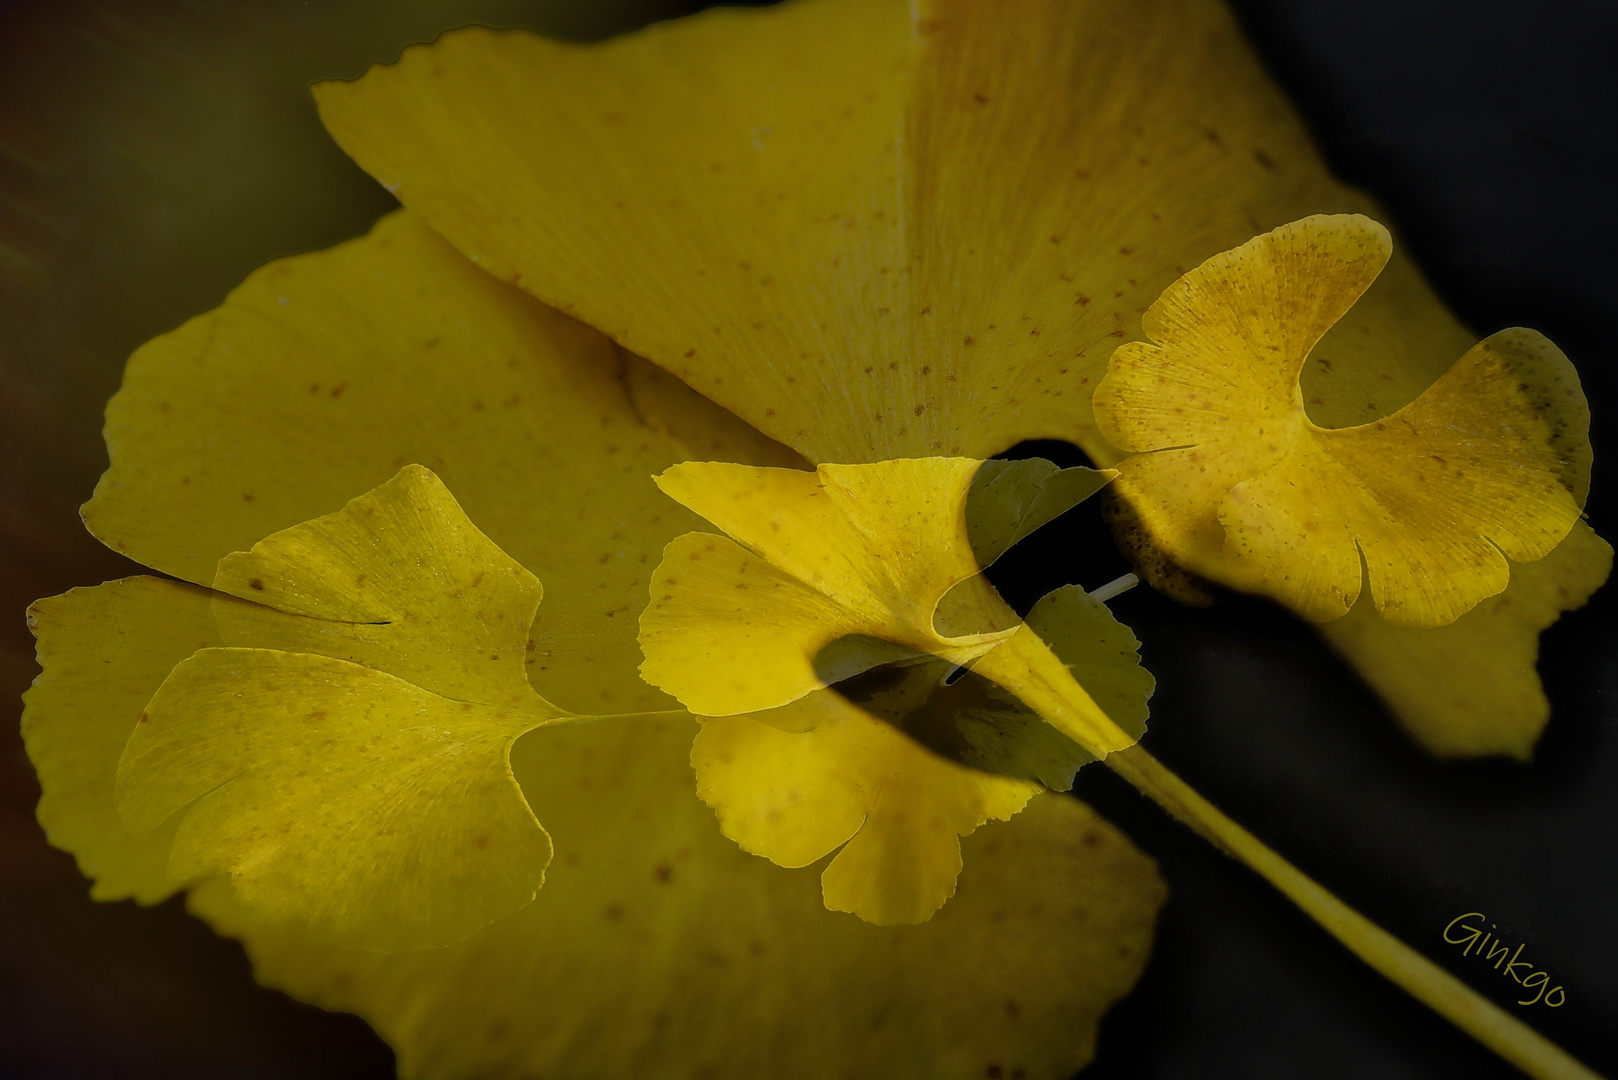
152, 152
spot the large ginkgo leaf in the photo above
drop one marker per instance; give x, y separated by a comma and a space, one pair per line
221, 409
870, 231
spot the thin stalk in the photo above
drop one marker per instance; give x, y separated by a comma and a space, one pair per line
1024, 665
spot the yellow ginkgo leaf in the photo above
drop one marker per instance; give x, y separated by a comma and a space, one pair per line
873, 229
877, 766
318, 379
1235, 481
385, 781
825, 577
852, 557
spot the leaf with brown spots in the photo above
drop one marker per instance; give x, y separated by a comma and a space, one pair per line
898, 218
361, 742
1234, 480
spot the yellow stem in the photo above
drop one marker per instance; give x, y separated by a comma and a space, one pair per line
1024, 665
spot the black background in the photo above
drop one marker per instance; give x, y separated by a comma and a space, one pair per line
154, 151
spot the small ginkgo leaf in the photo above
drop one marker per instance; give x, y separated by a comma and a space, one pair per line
424, 594
371, 801
895, 764
1236, 482
847, 552
825, 578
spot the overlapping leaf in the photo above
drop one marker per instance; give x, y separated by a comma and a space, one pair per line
1234, 480
824, 578
370, 802
829, 573
600, 968
658, 948
894, 764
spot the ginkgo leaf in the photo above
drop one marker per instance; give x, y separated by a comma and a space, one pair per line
823, 578
371, 802
660, 949
323, 374
846, 553
873, 229
222, 408
895, 764
1236, 482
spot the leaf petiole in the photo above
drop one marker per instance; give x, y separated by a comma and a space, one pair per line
1026, 667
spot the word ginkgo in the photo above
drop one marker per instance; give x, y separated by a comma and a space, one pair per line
1498, 951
